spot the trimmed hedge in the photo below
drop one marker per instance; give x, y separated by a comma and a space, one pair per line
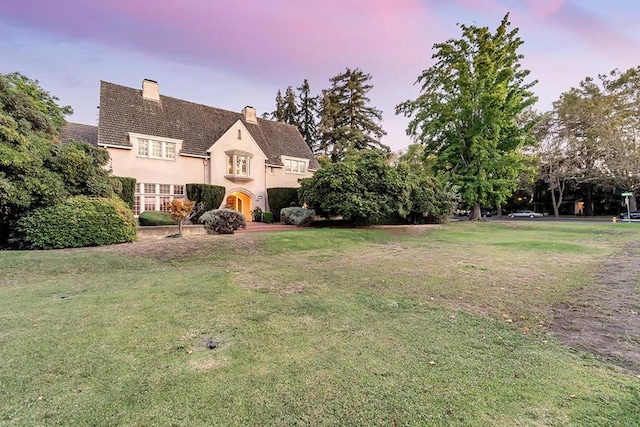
77, 222
223, 221
281, 197
267, 217
155, 218
128, 192
211, 196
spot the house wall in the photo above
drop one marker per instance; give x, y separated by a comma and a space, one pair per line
181, 171
256, 187
277, 177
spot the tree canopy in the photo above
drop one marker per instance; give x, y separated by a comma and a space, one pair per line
35, 170
469, 113
347, 121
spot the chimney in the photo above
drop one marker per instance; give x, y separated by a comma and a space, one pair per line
150, 90
249, 114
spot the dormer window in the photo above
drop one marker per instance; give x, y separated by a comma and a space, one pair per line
153, 147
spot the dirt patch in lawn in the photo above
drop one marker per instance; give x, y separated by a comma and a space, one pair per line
605, 321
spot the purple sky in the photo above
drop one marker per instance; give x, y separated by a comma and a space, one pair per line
232, 53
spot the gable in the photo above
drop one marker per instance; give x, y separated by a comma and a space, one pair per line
124, 110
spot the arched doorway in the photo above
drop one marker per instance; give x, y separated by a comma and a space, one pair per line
240, 202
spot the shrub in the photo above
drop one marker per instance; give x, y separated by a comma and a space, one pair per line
363, 189
431, 201
297, 216
267, 217
128, 191
211, 196
77, 222
281, 197
180, 210
155, 218
223, 221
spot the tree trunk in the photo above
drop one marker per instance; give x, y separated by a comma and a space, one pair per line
476, 213
498, 210
555, 204
588, 208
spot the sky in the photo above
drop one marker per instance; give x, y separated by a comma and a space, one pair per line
233, 53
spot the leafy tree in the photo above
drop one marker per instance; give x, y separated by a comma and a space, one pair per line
181, 210
598, 124
307, 115
469, 113
347, 122
363, 189
35, 171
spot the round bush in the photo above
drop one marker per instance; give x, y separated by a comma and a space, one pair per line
155, 218
223, 221
297, 216
77, 222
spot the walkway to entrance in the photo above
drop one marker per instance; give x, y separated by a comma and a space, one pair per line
256, 227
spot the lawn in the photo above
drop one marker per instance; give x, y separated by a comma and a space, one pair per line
427, 326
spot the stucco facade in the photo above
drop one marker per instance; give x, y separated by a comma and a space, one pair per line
166, 143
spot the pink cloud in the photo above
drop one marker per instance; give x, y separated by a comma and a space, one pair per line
270, 36
545, 8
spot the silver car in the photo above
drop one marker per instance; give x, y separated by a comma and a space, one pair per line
525, 214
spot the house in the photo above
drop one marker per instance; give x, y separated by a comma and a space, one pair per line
166, 143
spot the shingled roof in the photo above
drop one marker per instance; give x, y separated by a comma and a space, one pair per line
124, 110
79, 132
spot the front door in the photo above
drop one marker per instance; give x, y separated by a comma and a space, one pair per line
240, 202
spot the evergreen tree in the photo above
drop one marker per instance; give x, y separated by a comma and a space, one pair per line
347, 122
469, 114
289, 108
307, 115
278, 113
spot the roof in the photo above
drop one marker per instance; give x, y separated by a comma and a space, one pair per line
79, 132
124, 110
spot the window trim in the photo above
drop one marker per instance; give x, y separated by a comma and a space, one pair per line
232, 165
164, 144
298, 161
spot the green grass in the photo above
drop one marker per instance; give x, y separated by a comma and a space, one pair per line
315, 327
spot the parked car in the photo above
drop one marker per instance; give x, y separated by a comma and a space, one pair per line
525, 214
630, 215
486, 213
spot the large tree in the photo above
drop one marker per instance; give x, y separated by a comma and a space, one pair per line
598, 123
308, 115
289, 107
347, 121
469, 113
36, 171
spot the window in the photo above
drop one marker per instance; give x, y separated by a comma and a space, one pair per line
239, 133
156, 147
156, 197
295, 166
238, 165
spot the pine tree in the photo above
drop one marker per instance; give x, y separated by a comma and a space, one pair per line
289, 108
278, 113
347, 122
307, 115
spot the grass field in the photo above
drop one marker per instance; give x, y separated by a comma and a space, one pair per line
429, 326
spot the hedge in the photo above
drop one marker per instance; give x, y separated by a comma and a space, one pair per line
155, 218
128, 192
281, 197
76, 222
211, 196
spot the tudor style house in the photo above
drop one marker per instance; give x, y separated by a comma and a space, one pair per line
166, 143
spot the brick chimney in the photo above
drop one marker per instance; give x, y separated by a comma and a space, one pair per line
150, 90
249, 114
